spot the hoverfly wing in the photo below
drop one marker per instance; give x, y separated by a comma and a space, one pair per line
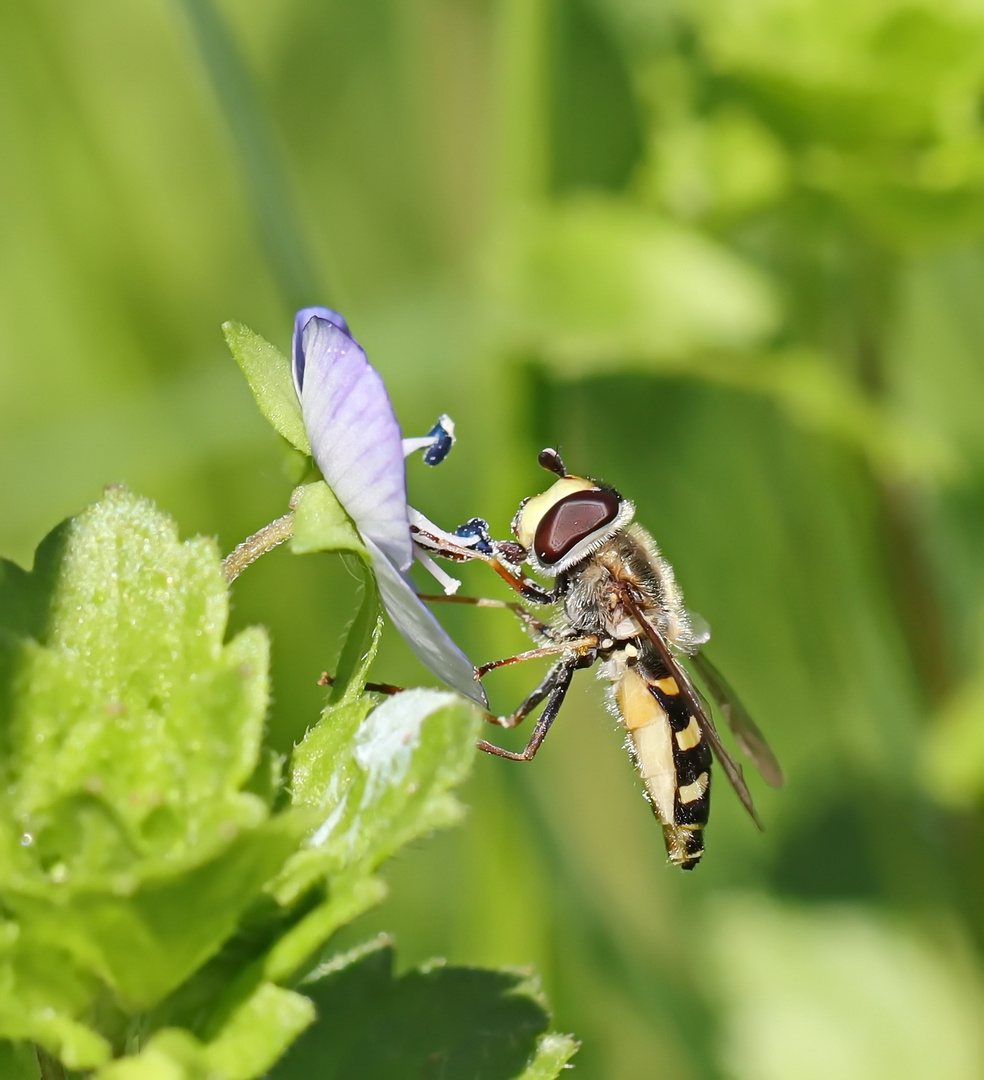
746, 731
732, 770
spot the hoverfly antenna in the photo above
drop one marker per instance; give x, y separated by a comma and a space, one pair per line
550, 460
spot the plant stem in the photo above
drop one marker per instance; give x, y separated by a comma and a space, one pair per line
50, 1069
261, 163
246, 553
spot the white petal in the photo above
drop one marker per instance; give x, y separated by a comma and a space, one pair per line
355, 437
421, 631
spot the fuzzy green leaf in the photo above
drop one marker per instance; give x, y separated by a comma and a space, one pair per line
268, 373
130, 732
379, 779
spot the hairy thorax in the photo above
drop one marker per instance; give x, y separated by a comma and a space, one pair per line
629, 561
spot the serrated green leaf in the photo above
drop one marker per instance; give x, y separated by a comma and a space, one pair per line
320, 523
379, 779
458, 1023
130, 732
143, 944
268, 373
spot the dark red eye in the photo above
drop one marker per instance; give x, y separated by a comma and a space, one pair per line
572, 520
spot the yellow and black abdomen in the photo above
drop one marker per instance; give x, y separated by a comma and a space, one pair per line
673, 757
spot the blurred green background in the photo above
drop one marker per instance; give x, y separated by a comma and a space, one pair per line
729, 256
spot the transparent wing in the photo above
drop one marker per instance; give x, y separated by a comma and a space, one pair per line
746, 731
731, 768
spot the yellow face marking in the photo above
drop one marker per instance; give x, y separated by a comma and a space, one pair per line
690, 736
692, 792
669, 686
533, 511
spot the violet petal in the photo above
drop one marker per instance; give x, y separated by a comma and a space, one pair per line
301, 320
421, 631
355, 436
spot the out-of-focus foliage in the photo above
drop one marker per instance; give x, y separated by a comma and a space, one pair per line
727, 254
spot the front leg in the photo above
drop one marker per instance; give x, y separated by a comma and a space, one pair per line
537, 628
579, 646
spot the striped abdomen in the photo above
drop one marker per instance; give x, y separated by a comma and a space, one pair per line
673, 757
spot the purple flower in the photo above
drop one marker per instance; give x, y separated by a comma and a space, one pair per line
357, 444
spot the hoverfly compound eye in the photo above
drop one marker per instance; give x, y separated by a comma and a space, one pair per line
569, 521
576, 519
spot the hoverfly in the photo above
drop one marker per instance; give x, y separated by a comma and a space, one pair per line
621, 608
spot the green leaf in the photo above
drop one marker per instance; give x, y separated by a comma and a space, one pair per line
268, 373
379, 779
258, 1033
42, 991
349, 897
320, 523
130, 733
552, 1055
170, 1055
18, 1061
456, 1023
595, 284
361, 643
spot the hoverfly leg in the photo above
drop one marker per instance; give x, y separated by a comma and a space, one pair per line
580, 646
554, 687
375, 687
534, 625
527, 588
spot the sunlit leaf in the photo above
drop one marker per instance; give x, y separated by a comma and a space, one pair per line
131, 732
378, 778
267, 371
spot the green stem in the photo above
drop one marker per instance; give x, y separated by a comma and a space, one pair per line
246, 553
50, 1068
522, 102
917, 601
252, 134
